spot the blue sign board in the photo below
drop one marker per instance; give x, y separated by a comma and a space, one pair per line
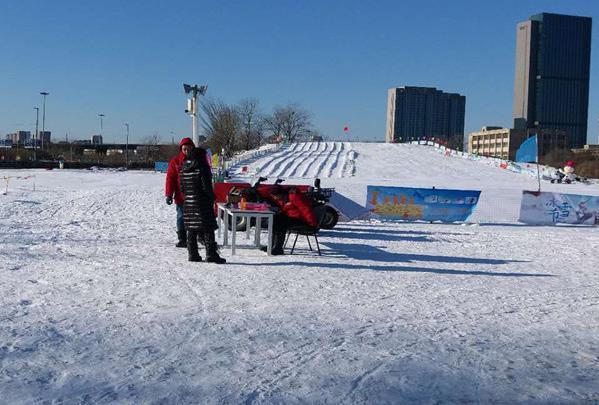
421, 204
161, 166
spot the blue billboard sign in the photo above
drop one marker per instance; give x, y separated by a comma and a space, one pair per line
161, 166
421, 204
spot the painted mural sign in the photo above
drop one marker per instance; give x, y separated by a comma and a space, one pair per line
421, 204
545, 208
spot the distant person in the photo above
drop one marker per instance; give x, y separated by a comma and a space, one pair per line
173, 187
198, 210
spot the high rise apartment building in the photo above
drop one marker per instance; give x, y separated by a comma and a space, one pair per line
551, 87
425, 112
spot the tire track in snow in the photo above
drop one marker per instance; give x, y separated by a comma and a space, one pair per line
293, 361
324, 158
326, 169
258, 162
106, 201
167, 360
274, 166
275, 158
336, 161
308, 164
272, 158
292, 165
292, 172
295, 159
341, 163
312, 170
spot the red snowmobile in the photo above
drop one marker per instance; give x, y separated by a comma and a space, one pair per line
327, 215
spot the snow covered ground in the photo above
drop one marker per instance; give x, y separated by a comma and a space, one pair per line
97, 306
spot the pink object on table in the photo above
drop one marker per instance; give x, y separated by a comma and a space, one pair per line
256, 206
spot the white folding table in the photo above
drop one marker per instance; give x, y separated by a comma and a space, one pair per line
226, 214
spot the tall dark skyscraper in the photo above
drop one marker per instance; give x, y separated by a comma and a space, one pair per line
417, 112
551, 88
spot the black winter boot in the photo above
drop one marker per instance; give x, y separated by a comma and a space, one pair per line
192, 248
182, 236
212, 249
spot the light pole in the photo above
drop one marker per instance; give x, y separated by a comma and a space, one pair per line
37, 120
127, 147
192, 107
44, 94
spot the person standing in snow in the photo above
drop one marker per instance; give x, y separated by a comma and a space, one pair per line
198, 207
173, 187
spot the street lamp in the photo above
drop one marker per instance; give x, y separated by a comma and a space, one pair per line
44, 94
127, 147
192, 107
37, 120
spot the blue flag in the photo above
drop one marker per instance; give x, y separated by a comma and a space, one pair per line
527, 152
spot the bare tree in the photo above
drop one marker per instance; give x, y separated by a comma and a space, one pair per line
251, 124
291, 122
151, 143
221, 124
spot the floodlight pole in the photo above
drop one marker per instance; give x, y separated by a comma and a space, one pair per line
192, 108
44, 94
194, 119
37, 120
127, 147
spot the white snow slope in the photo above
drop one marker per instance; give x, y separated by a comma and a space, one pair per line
97, 306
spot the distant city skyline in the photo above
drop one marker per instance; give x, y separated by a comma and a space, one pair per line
336, 59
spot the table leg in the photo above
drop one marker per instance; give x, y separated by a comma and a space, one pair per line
219, 221
248, 219
258, 229
233, 233
226, 229
269, 244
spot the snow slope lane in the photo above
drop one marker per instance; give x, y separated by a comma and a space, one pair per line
307, 160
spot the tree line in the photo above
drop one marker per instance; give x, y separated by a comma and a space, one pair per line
244, 126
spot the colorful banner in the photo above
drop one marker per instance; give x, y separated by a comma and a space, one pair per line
545, 208
426, 204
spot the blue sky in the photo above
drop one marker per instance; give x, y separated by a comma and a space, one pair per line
128, 60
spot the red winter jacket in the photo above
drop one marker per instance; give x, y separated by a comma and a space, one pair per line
294, 205
300, 207
173, 185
